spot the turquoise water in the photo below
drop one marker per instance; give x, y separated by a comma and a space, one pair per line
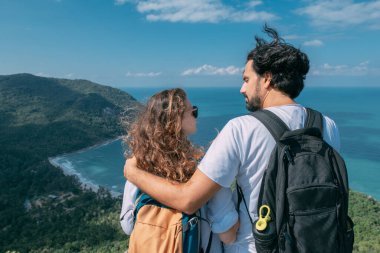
355, 110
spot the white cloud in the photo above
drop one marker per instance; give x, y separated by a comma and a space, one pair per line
212, 70
120, 2
254, 3
292, 37
313, 43
192, 11
69, 75
141, 74
42, 74
342, 70
342, 13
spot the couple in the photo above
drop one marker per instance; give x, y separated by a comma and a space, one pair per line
273, 77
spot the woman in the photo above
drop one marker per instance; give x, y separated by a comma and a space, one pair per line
158, 140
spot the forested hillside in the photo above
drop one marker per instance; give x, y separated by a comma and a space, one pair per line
40, 208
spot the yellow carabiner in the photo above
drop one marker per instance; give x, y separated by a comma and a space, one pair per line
262, 223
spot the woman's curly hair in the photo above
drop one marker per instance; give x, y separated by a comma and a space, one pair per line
157, 141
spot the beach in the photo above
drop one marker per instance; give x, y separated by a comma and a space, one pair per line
63, 162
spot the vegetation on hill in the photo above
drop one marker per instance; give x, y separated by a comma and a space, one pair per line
365, 212
41, 210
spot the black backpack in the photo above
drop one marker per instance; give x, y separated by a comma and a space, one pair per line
303, 200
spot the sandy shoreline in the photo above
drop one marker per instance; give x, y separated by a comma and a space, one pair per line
103, 143
68, 170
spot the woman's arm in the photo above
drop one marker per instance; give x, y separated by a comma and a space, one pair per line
222, 214
229, 236
127, 208
186, 197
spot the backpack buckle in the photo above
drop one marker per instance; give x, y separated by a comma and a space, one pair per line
193, 221
190, 224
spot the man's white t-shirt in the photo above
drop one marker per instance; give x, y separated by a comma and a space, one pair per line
242, 150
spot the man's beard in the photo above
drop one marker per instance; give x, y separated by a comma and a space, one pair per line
254, 104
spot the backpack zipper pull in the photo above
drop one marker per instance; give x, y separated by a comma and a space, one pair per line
261, 224
288, 155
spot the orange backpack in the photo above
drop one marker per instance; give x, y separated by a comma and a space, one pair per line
160, 229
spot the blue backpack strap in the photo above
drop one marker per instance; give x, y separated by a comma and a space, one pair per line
144, 199
190, 233
314, 119
137, 207
272, 122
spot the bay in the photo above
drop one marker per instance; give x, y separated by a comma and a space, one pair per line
355, 110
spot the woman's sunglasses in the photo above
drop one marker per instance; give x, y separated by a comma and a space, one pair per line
194, 112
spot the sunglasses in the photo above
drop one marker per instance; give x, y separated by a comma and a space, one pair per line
194, 112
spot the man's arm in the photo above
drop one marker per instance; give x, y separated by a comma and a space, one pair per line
186, 197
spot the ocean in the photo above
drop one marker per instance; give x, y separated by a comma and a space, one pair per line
355, 110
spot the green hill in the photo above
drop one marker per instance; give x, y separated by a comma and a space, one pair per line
41, 210
365, 212
71, 113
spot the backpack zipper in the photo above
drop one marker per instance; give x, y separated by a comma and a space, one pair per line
289, 156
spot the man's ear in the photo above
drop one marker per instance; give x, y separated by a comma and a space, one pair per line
267, 79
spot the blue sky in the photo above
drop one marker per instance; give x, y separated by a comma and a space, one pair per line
185, 43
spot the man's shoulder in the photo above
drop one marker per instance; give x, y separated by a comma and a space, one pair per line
243, 121
246, 125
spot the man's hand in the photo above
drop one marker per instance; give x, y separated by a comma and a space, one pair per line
130, 166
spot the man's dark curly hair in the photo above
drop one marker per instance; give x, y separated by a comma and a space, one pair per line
287, 64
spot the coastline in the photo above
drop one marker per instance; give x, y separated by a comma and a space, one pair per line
116, 189
97, 145
68, 170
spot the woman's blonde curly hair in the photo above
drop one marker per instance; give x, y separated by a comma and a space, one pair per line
157, 141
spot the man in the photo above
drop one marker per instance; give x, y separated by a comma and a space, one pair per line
273, 77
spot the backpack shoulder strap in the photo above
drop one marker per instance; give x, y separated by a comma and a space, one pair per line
272, 122
240, 198
314, 119
143, 199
